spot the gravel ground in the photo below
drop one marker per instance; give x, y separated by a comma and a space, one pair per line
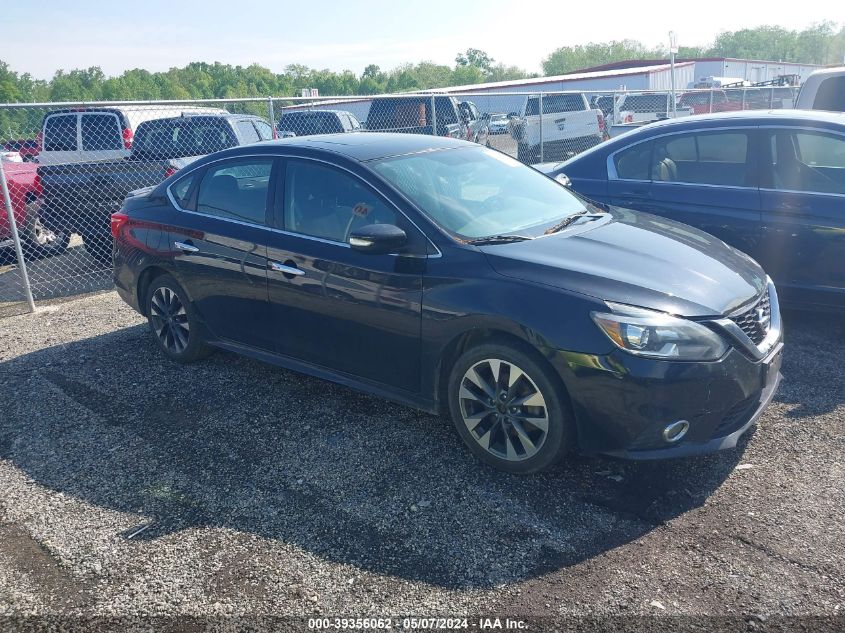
132, 486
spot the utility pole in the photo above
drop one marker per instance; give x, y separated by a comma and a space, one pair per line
673, 49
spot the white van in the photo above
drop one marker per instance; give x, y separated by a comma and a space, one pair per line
87, 134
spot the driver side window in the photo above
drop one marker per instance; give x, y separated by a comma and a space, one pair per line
321, 201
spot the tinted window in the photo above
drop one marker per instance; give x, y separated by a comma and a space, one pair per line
236, 190
247, 132
717, 158
182, 136
645, 103
808, 161
324, 202
397, 114
264, 130
831, 95
633, 163
555, 103
60, 133
306, 123
101, 132
181, 190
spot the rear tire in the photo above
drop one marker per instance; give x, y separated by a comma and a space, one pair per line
39, 241
510, 409
173, 321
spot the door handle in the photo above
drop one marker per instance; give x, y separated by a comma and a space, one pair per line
287, 270
185, 246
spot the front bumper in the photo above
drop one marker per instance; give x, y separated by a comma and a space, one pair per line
623, 403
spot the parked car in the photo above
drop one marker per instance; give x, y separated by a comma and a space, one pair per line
27, 148
80, 197
475, 123
709, 101
646, 107
497, 123
307, 122
769, 183
569, 126
449, 277
823, 90
88, 134
413, 115
25, 195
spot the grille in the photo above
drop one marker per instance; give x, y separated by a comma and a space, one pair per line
756, 321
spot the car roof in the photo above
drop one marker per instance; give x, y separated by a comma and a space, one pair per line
750, 117
365, 146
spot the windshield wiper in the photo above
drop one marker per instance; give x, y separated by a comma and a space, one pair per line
569, 219
498, 239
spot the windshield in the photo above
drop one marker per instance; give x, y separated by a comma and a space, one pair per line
479, 192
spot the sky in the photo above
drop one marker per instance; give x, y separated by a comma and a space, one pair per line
42, 36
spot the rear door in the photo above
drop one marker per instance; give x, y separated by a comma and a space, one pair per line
219, 244
803, 208
709, 180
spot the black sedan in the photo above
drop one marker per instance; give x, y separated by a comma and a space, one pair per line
452, 278
772, 184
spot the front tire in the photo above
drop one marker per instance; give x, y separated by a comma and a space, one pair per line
39, 241
509, 409
173, 321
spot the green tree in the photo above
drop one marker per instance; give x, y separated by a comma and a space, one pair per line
476, 58
571, 58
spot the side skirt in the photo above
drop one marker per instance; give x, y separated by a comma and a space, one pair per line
399, 396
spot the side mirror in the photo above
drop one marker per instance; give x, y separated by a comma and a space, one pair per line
563, 179
378, 239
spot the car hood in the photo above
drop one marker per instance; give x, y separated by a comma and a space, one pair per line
637, 259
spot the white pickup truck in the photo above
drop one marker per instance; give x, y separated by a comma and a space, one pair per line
569, 126
823, 90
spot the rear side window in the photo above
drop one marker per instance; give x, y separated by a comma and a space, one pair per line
633, 163
182, 136
181, 190
717, 158
247, 132
831, 95
236, 190
101, 132
60, 133
645, 103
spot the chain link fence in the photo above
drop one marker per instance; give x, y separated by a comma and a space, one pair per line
66, 167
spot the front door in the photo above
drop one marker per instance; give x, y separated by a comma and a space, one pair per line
803, 202
333, 306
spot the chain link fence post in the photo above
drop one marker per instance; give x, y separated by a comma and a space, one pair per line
13, 225
434, 115
541, 126
271, 115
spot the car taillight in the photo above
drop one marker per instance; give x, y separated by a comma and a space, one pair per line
127, 138
118, 221
169, 171
39, 141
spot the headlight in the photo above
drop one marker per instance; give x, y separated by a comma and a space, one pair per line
658, 335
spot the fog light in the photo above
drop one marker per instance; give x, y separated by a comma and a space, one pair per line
675, 431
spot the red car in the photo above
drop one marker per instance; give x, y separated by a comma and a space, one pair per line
25, 194
26, 147
705, 103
